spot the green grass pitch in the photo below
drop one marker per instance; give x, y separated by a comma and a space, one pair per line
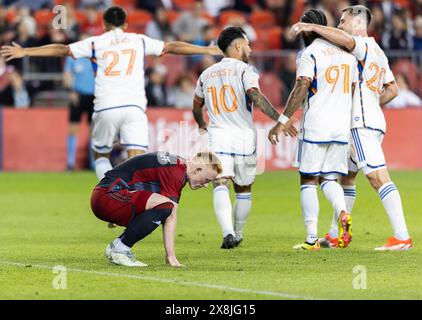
46, 221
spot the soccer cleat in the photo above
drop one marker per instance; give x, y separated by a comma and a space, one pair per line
229, 242
328, 242
307, 246
125, 258
108, 250
394, 244
344, 229
238, 241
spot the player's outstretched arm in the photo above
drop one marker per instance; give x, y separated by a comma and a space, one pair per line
15, 51
198, 115
169, 233
391, 90
294, 101
336, 36
261, 101
184, 48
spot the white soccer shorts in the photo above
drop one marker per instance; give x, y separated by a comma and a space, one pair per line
241, 169
328, 160
128, 123
367, 154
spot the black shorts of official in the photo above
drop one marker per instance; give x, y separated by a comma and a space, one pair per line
86, 104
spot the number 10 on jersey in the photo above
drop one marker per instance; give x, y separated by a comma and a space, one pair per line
222, 101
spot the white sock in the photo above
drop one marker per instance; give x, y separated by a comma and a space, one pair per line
242, 208
335, 195
310, 208
391, 201
102, 165
119, 246
223, 209
349, 198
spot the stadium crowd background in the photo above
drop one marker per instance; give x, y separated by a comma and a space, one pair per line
397, 26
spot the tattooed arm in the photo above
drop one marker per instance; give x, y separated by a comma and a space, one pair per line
295, 100
261, 101
198, 115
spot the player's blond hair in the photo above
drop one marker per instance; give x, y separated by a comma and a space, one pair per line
209, 158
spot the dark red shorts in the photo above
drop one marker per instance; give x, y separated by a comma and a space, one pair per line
119, 206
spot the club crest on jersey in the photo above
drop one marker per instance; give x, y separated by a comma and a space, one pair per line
163, 158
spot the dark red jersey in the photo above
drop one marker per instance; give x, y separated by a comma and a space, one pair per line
158, 172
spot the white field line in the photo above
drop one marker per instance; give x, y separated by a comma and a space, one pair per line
164, 280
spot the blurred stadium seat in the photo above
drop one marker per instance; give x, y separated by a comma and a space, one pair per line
138, 19
225, 16
184, 4
262, 19
127, 4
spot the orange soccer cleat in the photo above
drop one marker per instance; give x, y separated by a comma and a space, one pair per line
328, 242
344, 229
394, 244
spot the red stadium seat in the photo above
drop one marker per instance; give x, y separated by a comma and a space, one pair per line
127, 4
138, 19
73, 3
10, 15
225, 16
272, 87
262, 19
80, 17
44, 17
274, 38
269, 38
184, 4
299, 8
176, 66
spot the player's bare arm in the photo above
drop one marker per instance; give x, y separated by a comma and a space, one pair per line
391, 90
334, 35
169, 232
260, 100
294, 101
15, 51
198, 114
184, 48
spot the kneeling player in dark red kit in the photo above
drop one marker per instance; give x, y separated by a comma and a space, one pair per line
142, 193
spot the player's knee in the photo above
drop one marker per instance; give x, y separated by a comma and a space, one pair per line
378, 178
307, 179
349, 180
242, 189
164, 209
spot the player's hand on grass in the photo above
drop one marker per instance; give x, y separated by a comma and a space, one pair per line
14, 51
173, 262
299, 27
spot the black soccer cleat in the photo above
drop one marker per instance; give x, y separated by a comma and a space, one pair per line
237, 242
229, 242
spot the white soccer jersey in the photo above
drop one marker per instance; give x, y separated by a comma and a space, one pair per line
223, 87
327, 109
374, 72
118, 61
